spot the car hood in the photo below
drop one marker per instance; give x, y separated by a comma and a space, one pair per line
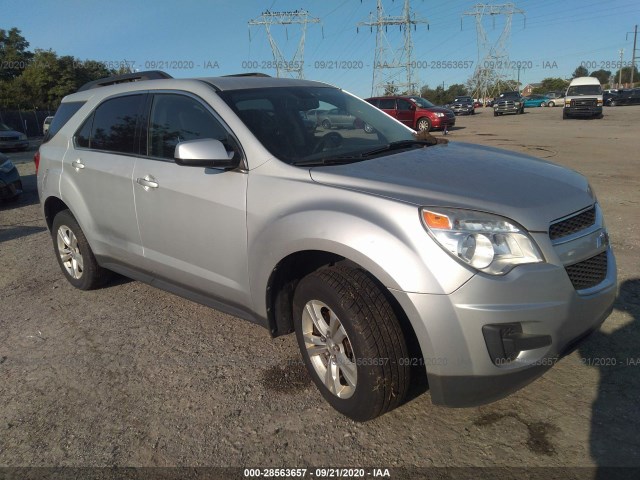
437, 109
530, 191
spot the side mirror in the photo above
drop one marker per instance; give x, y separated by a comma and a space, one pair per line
205, 152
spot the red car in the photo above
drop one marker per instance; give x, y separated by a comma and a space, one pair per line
415, 112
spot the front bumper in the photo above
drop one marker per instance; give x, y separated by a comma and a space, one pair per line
583, 111
14, 144
462, 110
507, 109
539, 297
441, 122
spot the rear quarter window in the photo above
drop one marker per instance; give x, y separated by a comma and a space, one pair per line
63, 115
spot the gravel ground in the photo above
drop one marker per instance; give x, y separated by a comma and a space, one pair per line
129, 375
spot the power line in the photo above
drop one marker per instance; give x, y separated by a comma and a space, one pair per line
388, 62
493, 57
295, 66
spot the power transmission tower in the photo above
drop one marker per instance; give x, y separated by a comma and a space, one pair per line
493, 66
390, 63
295, 66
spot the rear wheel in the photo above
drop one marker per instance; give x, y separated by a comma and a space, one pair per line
74, 254
351, 342
326, 124
424, 124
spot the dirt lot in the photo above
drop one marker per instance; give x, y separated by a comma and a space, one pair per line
132, 376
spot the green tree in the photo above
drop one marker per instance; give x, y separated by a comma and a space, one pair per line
390, 89
551, 84
602, 75
626, 75
14, 56
580, 72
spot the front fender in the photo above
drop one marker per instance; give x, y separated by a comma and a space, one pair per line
383, 236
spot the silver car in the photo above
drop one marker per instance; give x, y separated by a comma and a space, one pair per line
389, 257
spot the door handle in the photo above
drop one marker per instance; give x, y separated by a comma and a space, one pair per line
147, 182
77, 164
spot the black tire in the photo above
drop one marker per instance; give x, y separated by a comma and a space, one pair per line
326, 124
612, 103
375, 344
423, 124
368, 128
495, 114
92, 275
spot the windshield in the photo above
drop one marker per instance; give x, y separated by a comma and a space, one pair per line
308, 124
463, 99
421, 102
4, 128
578, 90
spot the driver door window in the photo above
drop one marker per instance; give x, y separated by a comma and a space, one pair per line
178, 118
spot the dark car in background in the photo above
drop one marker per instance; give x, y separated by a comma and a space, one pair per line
415, 112
623, 97
10, 182
508, 102
462, 106
11, 139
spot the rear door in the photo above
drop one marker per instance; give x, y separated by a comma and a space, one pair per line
97, 179
388, 106
405, 112
192, 219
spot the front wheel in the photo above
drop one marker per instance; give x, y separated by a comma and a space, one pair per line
326, 124
74, 254
424, 125
351, 342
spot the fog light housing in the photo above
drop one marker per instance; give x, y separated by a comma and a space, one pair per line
506, 341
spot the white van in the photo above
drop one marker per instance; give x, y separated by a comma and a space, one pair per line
583, 98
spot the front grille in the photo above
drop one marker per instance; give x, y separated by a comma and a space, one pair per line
8, 139
588, 273
573, 224
584, 102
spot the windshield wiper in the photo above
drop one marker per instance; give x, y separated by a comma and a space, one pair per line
357, 157
339, 160
399, 145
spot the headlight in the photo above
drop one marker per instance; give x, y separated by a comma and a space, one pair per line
22, 136
6, 167
516, 103
439, 114
486, 242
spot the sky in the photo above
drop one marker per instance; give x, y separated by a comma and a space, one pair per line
199, 38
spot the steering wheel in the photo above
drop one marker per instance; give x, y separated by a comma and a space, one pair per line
330, 140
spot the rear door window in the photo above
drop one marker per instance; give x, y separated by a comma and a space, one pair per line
387, 104
112, 127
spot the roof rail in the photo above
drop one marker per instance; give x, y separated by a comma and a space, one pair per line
251, 74
127, 77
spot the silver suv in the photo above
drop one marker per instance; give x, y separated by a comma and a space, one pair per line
389, 256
